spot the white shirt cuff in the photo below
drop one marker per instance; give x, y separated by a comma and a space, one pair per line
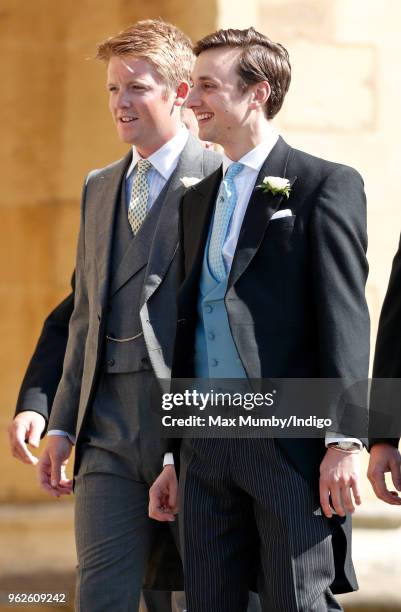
332, 437
168, 459
60, 432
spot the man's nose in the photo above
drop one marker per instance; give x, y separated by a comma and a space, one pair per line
122, 100
193, 98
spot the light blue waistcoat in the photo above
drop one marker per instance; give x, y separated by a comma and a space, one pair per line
216, 355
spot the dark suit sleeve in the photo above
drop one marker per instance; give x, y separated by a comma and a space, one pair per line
339, 243
387, 359
45, 367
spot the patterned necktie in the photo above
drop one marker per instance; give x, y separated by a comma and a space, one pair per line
226, 201
138, 204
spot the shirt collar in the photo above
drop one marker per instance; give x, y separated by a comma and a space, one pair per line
255, 158
165, 159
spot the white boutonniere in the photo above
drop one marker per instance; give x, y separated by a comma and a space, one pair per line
189, 181
276, 185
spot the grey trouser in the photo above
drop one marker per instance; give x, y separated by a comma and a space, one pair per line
114, 537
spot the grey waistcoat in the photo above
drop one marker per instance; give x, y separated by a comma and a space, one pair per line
123, 319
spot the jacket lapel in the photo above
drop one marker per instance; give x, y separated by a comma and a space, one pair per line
196, 218
107, 197
165, 241
260, 210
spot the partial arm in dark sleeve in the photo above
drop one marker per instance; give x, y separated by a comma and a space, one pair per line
44, 371
339, 240
387, 359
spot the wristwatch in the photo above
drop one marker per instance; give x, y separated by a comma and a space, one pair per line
345, 446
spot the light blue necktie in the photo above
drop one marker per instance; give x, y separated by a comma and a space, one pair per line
226, 201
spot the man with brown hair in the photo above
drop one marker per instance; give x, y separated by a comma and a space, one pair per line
274, 273
122, 327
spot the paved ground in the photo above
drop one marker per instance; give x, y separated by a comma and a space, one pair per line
37, 554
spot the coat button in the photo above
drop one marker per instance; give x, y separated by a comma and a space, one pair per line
211, 335
208, 308
214, 363
111, 362
145, 361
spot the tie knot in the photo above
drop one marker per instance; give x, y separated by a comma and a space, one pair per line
233, 170
143, 166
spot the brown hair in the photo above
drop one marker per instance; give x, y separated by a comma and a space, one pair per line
260, 60
159, 42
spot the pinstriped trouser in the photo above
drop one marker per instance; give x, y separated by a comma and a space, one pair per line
240, 497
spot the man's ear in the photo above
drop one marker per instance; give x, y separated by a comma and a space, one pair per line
181, 93
260, 93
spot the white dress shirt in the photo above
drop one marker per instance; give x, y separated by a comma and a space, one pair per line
245, 183
164, 162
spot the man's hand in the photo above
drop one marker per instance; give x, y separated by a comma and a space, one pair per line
339, 473
385, 458
52, 466
26, 427
163, 494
